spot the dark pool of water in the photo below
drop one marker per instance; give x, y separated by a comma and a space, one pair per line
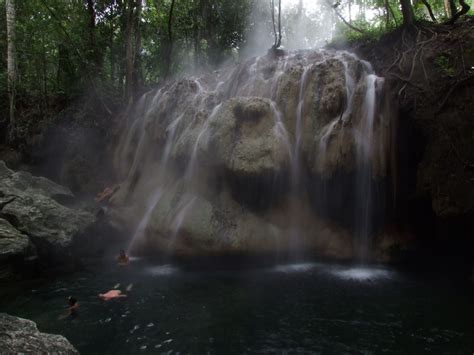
297, 308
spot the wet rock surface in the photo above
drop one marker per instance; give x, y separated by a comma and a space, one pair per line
14, 247
434, 156
223, 163
33, 224
242, 137
21, 336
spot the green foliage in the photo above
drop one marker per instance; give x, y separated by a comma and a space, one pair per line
62, 54
59, 53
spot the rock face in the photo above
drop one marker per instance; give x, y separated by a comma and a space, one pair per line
225, 163
33, 224
14, 247
184, 224
435, 150
19, 336
243, 135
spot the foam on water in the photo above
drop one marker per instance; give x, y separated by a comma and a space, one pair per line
161, 270
291, 268
362, 273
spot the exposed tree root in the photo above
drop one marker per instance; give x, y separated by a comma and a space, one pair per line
451, 90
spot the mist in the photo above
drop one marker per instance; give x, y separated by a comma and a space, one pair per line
304, 25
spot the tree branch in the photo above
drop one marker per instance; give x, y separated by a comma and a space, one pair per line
425, 2
343, 19
464, 9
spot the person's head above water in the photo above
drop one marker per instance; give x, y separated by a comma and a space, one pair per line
122, 253
72, 301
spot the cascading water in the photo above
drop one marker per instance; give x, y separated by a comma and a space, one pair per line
364, 139
229, 158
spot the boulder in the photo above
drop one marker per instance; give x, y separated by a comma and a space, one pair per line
244, 137
14, 248
34, 223
29, 204
20, 336
11, 181
45, 220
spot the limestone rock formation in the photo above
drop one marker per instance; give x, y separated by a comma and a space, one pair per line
187, 225
21, 336
208, 163
14, 247
244, 137
33, 223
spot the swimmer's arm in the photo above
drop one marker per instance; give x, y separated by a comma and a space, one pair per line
64, 316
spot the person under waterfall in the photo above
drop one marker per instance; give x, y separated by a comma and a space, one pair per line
123, 258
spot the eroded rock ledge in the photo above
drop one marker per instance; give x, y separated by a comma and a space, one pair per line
20, 336
36, 228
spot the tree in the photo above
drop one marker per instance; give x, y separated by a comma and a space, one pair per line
407, 13
169, 46
430, 10
456, 14
132, 47
95, 55
277, 42
12, 73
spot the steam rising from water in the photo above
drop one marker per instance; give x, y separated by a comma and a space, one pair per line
342, 272
161, 270
292, 268
362, 274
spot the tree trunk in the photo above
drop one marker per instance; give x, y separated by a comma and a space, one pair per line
452, 9
387, 14
272, 4
430, 11
137, 64
464, 9
113, 66
129, 49
350, 12
169, 47
277, 43
407, 12
339, 15
94, 52
11, 59
279, 24
447, 9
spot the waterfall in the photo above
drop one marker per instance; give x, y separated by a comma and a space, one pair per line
364, 171
200, 156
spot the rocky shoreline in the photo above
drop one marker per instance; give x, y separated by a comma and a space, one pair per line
38, 227
20, 336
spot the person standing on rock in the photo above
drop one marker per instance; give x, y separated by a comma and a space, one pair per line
103, 199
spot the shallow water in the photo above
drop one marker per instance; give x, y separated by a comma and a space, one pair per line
307, 307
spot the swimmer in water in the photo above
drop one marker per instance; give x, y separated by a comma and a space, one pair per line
122, 259
73, 308
111, 295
